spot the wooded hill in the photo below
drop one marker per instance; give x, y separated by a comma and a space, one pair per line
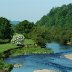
57, 24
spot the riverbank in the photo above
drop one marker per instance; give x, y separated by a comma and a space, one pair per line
29, 51
10, 50
68, 56
5, 67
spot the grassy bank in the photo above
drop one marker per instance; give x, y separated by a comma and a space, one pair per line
5, 67
26, 51
29, 48
5, 47
8, 46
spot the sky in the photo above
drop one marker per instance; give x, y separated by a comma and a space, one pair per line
32, 10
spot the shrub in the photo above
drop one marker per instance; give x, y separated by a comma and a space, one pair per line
5, 67
18, 39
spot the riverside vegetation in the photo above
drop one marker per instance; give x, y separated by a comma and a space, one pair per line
55, 26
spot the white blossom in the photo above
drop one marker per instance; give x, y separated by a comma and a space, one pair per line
18, 39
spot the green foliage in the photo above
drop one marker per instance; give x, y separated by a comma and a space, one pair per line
29, 41
58, 25
5, 67
38, 35
31, 50
24, 27
5, 29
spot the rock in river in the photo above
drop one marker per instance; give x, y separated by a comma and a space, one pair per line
17, 65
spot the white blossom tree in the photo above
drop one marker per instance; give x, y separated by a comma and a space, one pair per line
18, 39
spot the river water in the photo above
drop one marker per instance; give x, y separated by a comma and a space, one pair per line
54, 61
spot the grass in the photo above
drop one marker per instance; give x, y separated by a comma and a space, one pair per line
31, 49
5, 67
27, 51
4, 47
29, 41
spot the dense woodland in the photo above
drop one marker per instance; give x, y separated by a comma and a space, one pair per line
55, 26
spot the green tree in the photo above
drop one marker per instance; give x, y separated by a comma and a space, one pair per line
6, 31
24, 27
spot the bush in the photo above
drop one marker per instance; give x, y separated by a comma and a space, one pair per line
18, 39
5, 67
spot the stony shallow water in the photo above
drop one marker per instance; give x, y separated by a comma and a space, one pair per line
54, 61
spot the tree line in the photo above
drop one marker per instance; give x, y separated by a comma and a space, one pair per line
55, 26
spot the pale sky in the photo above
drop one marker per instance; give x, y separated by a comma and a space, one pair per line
31, 10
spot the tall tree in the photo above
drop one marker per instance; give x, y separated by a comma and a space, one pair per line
24, 27
5, 29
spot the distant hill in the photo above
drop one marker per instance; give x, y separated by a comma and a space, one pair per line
14, 22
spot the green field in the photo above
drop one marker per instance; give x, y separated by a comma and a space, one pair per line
5, 47
30, 49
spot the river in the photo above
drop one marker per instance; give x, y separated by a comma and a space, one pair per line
54, 61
